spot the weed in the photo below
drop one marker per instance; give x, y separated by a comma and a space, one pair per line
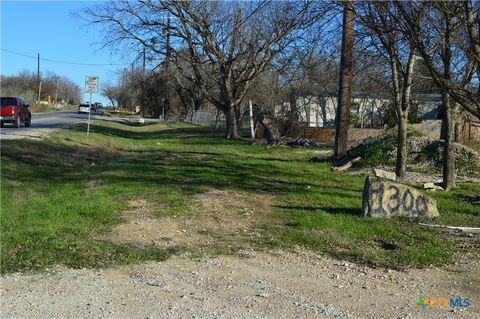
376, 151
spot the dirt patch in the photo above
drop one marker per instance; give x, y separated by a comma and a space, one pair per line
215, 215
230, 211
173, 156
142, 229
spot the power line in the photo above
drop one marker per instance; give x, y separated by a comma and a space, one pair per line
63, 62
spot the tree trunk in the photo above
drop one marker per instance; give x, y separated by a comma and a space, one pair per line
449, 174
342, 117
448, 121
185, 104
217, 116
232, 130
401, 164
239, 118
111, 100
402, 104
271, 131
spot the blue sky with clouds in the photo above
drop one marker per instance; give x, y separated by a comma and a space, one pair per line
48, 28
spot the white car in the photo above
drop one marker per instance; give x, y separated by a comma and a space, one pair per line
84, 108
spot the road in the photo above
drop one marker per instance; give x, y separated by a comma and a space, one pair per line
280, 284
44, 123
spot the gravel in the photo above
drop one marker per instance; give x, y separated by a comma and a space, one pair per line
425, 152
414, 177
275, 284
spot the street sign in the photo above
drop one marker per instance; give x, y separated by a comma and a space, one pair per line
91, 84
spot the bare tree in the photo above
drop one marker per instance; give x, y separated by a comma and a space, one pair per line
224, 54
110, 92
191, 95
380, 18
448, 11
464, 88
25, 85
449, 43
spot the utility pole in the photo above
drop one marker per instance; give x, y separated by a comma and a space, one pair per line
167, 61
38, 67
342, 117
56, 91
133, 107
38, 77
39, 90
143, 83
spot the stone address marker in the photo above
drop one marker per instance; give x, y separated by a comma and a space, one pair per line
386, 198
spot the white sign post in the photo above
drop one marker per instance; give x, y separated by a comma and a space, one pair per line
91, 86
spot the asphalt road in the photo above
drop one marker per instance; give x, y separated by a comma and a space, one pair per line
44, 123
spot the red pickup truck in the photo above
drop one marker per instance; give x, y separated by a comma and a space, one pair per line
14, 110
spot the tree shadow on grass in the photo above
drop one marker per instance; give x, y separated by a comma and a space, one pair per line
330, 210
191, 170
53, 162
471, 199
186, 135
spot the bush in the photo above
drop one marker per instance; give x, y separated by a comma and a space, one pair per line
375, 151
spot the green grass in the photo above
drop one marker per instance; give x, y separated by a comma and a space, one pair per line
60, 193
376, 152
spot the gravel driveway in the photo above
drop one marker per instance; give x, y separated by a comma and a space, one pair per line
278, 284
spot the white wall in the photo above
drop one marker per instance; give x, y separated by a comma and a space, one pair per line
321, 112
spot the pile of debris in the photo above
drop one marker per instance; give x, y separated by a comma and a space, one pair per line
305, 142
302, 142
423, 152
430, 186
426, 152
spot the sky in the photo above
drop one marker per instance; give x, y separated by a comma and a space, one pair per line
48, 28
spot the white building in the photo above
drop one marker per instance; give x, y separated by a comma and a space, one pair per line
428, 105
369, 110
320, 112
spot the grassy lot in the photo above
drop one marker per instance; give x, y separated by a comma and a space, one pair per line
61, 195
